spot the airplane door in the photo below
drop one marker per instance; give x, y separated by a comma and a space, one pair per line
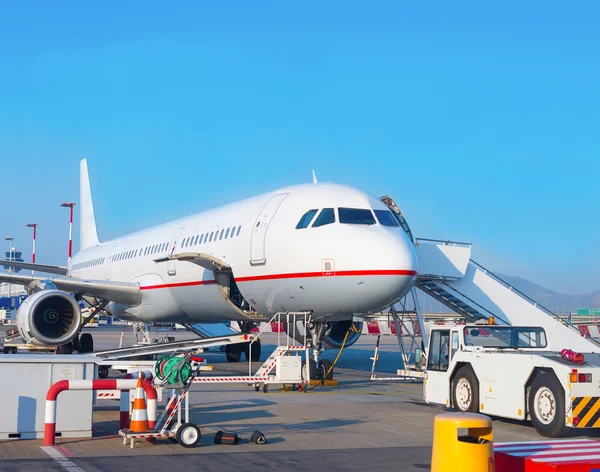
171, 270
261, 225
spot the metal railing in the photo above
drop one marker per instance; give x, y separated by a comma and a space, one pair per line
446, 243
529, 299
295, 316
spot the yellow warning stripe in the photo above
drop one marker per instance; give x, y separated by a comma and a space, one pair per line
581, 406
590, 414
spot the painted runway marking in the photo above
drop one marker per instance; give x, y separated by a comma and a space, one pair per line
59, 457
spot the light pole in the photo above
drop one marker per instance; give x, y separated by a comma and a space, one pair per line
70, 205
34, 226
10, 241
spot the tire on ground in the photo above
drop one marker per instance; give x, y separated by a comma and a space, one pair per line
233, 352
188, 435
465, 390
326, 367
312, 370
547, 405
86, 343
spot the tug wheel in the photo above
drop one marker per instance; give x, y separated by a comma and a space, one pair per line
547, 405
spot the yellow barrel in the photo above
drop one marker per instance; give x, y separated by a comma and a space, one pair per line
462, 442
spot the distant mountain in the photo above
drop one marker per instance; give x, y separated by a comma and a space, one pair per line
554, 301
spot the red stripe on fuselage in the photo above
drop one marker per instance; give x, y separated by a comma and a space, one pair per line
346, 273
298, 275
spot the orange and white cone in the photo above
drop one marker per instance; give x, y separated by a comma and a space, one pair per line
139, 414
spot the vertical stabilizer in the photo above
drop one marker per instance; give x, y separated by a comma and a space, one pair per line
87, 220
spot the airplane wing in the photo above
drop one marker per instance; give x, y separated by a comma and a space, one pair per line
203, 260
48, 269
125, 293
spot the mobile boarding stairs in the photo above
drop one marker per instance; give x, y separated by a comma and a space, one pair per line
449, 275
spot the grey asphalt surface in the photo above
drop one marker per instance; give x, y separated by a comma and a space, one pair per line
360, 424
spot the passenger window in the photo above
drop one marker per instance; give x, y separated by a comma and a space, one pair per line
438, 351
227, 233
306, 219
326, 217
356, 216
196, 240
386, 218
238, 231
211, 236
222, 232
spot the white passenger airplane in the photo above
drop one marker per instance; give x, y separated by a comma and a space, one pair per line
329, 249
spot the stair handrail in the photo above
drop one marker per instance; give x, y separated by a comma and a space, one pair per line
277, 315
446, 242
517, 291
532, 301
480, 308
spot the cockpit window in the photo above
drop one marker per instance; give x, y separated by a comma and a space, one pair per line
356, 216
306, 219
326, 217
386, 218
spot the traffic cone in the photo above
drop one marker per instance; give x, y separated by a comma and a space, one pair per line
139, 414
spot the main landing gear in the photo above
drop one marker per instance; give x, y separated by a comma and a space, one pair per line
83, 344
233, 352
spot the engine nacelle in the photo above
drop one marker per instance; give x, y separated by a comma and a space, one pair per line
334, 335
49, 318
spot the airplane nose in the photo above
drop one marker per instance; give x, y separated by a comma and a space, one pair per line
396, 270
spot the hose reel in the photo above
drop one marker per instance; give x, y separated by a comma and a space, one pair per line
174, 370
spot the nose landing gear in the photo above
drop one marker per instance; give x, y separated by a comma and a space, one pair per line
319, 369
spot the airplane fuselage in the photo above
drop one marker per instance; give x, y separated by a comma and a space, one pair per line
349, 265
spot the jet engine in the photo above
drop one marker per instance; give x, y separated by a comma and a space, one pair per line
49, 318
334, 333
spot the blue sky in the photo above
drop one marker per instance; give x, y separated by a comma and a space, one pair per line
482, 121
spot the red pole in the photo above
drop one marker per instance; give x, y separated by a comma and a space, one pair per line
70, 234
34, 226
70, 205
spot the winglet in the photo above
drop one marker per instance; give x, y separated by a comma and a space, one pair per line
87, 220
314, 177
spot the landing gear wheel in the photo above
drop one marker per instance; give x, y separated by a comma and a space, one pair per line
465, 391
265, 388
310, 372
64, 349
86, 343
256, 351
102, 371
547, 405
188, 435
256, 388
326, 369
233, 352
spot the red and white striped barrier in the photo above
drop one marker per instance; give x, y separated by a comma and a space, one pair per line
102, 384
572, 455
589, 331
248, 379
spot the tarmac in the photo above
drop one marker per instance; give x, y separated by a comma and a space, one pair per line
360, 424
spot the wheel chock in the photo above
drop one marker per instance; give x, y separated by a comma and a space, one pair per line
258, 437
226, 438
